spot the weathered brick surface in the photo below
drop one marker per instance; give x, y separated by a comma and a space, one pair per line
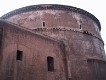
55, 18
72, 37
35, 51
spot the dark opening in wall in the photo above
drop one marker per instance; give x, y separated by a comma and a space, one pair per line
50, 63
19, 55
80, 27
43, 24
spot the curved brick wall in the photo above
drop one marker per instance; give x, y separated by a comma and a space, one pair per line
32, 9
58, 16
77, 29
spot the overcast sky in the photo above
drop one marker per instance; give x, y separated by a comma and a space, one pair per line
96, 7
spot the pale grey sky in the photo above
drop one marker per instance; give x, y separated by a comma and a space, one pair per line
96, 7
